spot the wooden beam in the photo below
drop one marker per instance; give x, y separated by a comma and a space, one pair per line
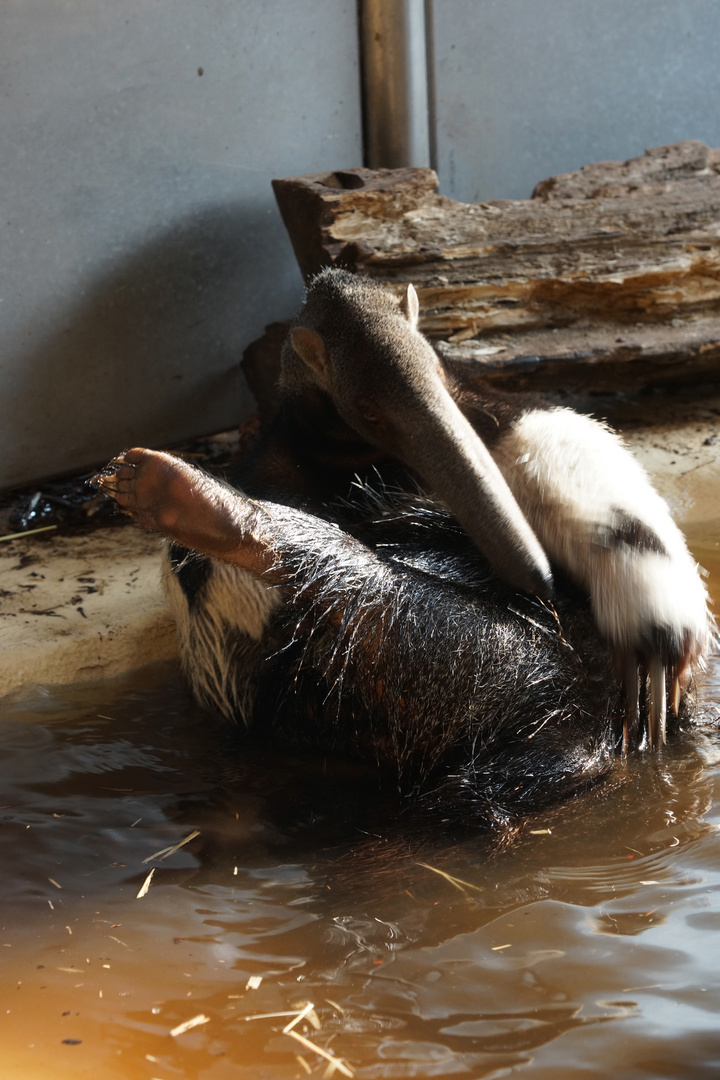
607, 277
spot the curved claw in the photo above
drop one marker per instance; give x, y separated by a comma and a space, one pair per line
632, 703
676, 695
654, 681
657, 715
109, 477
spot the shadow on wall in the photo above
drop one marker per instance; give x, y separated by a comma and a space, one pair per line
149, 354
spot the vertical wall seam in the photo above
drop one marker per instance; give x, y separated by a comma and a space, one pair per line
395, 84
431, 85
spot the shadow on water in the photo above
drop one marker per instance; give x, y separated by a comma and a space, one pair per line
588, 945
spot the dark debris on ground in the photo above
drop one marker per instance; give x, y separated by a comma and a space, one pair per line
72, 504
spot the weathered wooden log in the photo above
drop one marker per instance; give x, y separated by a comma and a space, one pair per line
607, 277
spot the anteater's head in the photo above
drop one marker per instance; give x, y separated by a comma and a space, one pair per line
360, 344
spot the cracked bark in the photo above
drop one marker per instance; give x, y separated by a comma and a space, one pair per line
607, 278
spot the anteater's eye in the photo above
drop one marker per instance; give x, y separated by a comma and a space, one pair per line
367, 410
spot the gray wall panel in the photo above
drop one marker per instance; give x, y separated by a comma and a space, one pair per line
141, 245
529, 88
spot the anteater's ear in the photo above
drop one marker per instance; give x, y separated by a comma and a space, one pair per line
311, 349
410, 306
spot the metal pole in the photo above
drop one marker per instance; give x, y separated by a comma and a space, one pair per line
396, 96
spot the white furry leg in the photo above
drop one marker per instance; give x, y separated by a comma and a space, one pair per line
221, 622
598, 517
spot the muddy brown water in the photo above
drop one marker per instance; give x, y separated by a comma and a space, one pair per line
590, 946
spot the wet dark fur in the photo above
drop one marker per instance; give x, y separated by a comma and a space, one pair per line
393, 645
394, 641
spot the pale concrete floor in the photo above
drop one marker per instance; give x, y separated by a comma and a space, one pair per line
80, 607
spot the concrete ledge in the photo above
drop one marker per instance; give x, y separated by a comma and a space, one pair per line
80, 607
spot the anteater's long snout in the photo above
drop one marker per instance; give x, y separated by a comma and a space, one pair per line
436, 441
359, 345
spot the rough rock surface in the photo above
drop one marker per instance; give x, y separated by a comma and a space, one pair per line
607, 277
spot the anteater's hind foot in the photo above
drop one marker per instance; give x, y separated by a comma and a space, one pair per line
168, 496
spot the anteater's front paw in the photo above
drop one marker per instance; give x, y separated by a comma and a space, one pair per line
652, 607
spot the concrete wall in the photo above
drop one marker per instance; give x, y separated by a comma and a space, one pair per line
141, 248
529, 88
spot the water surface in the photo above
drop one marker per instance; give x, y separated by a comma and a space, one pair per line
589, 946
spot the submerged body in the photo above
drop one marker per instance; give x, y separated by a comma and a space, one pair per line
375, 626
389, 639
